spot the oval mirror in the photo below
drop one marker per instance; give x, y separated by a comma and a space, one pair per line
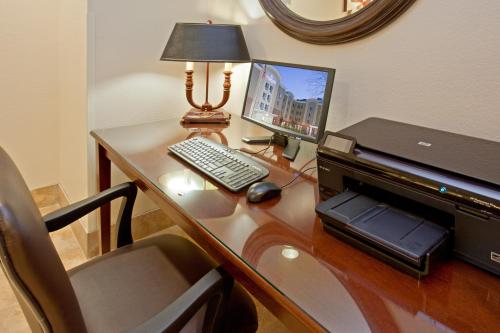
332, 21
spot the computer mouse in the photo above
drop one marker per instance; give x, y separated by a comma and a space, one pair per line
262, 191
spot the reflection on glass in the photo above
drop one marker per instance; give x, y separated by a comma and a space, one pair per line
185, 181
327, 298
325, 10
206, 130
196, 195
289, 252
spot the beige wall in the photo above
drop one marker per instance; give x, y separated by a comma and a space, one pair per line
43, 91
427, 67
128, 84
436, 66
73, 98
29, 88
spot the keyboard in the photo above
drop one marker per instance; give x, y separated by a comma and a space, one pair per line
231, 169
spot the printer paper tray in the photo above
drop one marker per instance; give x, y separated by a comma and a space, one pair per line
393, 235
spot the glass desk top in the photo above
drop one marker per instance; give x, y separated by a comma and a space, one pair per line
282, 240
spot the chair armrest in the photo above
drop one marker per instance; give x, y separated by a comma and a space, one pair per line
69, 214
213, 288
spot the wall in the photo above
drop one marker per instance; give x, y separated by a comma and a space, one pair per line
128, 84
436, 66
29, 88
73, 131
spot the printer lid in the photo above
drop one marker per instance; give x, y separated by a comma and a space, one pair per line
468, 156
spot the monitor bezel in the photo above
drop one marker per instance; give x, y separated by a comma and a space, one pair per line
324, 111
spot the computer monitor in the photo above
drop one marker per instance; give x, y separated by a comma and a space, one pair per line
290, 100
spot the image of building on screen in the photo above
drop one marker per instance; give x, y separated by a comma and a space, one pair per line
287, 97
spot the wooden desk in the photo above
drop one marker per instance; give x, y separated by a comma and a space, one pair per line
279, 251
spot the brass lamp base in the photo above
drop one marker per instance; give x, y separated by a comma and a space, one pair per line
197, 116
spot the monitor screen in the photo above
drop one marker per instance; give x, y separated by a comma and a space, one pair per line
289, 99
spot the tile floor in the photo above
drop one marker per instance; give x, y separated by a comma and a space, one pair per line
48, 199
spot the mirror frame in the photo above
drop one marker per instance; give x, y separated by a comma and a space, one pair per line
355, 26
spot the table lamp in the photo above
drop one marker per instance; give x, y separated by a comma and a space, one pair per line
206, 42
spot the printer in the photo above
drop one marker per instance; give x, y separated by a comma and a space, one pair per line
411, 195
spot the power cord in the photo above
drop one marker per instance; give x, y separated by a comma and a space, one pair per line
301, 170
308, 162
296, 177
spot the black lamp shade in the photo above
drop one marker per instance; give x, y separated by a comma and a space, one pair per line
201, 42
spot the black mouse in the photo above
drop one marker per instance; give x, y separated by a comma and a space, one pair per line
263, 191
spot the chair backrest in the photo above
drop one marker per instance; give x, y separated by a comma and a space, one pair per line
30, 261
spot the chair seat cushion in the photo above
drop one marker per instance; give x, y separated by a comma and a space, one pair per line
126, 287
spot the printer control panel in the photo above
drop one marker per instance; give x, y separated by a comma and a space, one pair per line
337, 143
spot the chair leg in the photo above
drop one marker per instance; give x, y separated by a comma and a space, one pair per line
124, 224
218, 305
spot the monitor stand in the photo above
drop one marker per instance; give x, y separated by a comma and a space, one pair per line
291, 145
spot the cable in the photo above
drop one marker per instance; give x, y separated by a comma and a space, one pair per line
296, 177
305, 164
301, 171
